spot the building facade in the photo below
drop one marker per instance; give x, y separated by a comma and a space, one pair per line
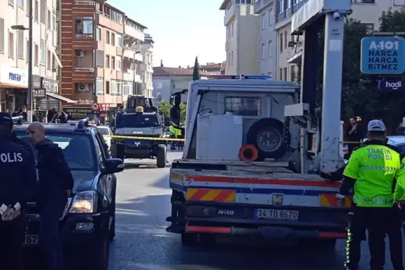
267, 56
133, 59
14, 54
289, 47
241, 46
146, 68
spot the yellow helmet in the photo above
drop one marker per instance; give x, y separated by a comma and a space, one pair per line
139, 109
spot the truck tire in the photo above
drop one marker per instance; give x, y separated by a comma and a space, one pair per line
189, 239
161, 155
267, 135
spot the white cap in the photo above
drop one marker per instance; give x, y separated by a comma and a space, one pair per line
376, 125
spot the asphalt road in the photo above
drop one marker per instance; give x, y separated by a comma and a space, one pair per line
143, 203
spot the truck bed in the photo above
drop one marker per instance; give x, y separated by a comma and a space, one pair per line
251, 183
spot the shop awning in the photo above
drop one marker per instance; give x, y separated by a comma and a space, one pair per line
57, 59
61, 98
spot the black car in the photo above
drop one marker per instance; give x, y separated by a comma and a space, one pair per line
88, 223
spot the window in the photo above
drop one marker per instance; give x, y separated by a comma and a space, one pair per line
232, 58
27, 56
100, 87
53, 22
27, 10
10, 45
263, 51
369, 28
20, 49
21, 4
107, 37
49, 19
247, 106
113, 39
281, 42
43, 11
36, 12
11, 3
107, 87
285, 74
271, 17
292, 73
2, 35
281, 6
119, 40
263, 21
281, 74
285, 40
112, 62
98, 34
114, 88
364, 1
270, 48
36, 54
107, 60
119, 64
288, 4
84, 27
232, 30
138, 121
48, 60
43, 52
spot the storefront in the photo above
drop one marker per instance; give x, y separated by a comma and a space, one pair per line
13, 88
106, 112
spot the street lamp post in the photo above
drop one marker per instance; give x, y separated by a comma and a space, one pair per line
30, 43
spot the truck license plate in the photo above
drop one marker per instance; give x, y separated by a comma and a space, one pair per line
276, 214
31, 239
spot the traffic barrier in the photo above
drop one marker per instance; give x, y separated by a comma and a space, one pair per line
168, 139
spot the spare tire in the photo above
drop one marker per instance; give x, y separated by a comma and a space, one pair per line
268, 137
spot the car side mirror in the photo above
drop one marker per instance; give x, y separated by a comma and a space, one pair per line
113, 165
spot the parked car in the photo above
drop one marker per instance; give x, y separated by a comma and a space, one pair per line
88, 223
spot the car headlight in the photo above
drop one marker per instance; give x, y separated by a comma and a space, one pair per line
84, 202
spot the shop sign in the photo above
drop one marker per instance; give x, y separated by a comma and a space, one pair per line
50, 86
13, 77
103, 107
36, 81
77, 113
39, 93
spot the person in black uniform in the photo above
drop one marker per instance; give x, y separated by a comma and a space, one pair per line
55, 185
17, 185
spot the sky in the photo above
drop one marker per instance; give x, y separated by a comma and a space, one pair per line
181, 29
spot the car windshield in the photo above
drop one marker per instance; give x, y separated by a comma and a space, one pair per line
77, 149
104, 131
138, 121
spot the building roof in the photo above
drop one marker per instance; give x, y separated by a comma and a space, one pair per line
170, 71
211, 66
114, 8
224, 4
135, 22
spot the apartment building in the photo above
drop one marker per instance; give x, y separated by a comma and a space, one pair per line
267, 56
14, 52
366, 11
133, 58
242, 37
110, 85
146, 68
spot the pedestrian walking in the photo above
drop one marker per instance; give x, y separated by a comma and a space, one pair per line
55, 185
17, 185
371, 171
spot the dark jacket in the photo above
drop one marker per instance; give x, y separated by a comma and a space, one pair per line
53, 173
18, 177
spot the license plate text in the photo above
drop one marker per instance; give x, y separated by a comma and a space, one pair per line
276, 214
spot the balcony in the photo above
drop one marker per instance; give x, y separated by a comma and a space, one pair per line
131, 55
120, 51
259, 5
134, 33
130, 76
230, 13
104, 20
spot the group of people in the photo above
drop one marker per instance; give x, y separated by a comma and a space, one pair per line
376, 174
47, 180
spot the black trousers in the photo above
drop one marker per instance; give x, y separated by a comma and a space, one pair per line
377, 222
11, 243
394, 233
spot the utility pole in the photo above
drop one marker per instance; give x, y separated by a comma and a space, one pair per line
30, 86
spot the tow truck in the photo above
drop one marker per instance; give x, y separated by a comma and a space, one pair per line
255, 154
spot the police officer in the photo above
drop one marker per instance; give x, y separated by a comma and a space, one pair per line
371, 171
17, 183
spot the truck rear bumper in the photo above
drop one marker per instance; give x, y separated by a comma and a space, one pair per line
272, 232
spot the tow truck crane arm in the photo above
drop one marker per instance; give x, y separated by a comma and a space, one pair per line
306, 21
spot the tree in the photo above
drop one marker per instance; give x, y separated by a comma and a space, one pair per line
165, 107
196, 72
